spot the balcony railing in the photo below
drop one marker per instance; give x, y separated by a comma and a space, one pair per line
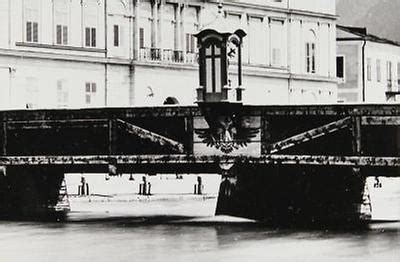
191, 58
389, 85
150, 54
166, 55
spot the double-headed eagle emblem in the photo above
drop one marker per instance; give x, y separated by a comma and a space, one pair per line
227, 133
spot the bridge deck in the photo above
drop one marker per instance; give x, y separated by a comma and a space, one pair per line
132, 137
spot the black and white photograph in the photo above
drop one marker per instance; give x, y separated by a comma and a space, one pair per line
199, 130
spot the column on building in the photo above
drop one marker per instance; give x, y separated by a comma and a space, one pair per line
178, 55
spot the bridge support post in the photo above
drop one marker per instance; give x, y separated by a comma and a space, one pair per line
357, 171
226, 201
291, 195
30, 192
3, 144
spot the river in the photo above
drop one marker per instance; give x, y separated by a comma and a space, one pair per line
131, 240
116, 230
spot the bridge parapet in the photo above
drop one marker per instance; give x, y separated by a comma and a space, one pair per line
301, 135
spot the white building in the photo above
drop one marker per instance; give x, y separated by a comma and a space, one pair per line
117, 53
368, 67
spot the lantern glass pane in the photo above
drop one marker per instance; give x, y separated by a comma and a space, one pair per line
218, 75
209, 75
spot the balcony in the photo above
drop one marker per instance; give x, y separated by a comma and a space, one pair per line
150, 54
392, 91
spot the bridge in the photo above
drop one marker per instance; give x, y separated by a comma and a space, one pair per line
279, 163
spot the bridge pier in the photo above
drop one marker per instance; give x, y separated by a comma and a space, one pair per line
30, 192
292, 195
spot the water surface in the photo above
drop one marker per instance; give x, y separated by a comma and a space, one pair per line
127, 239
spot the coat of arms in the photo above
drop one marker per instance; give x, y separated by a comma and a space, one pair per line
227, 132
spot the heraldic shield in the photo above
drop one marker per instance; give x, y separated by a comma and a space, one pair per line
225, 130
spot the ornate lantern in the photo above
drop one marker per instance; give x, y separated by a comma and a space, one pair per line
218, 50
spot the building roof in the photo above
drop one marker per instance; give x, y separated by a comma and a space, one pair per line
362, 34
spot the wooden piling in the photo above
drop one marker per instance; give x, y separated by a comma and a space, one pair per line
3, 144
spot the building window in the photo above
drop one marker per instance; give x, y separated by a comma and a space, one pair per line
91, 22
233, 21
62, 94
116, 35
369, 69
190, 43
340, 68
169, 32
310, 57
146, 24
257, 39
191, 26
90, 93
62, 35
31, 18
276, 56
32, 32
90, 37
398, 75
277, 42
141, 37
61, 20
378, 70
389, 75
310, 52
31, 93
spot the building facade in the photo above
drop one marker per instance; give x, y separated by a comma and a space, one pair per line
120, 53
368, 67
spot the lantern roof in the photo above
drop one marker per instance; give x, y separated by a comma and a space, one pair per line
220, 26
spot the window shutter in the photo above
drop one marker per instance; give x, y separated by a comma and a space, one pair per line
193, 43
94, 88
308, 62
87, 88
116, 35
398, 75
93, 37
276, 56
313, 57
65, 35
59, 34
340, 67
35, 32
188, 49
141, 37
29, 31
87, 36
378, 70
88, 100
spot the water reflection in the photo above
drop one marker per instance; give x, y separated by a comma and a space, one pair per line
130, 241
